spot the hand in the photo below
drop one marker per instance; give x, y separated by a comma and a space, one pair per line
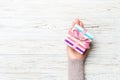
72, 54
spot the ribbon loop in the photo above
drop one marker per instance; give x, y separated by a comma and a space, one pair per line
80, 37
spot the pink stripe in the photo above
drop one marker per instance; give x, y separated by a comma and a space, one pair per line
74, 41
71, 39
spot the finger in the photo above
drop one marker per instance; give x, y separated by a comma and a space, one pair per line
73, 24
79, 22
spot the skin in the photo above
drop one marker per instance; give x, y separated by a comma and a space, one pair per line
72, 54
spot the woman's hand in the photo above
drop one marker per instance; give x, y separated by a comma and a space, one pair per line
72, 54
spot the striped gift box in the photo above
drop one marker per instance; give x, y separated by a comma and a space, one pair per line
71, 41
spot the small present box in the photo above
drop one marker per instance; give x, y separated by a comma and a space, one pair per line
79, 39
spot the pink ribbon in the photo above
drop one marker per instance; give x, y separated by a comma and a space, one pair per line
80, 37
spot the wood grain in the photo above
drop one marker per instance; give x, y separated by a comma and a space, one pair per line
32, 33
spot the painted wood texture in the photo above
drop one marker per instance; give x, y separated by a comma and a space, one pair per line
32, 33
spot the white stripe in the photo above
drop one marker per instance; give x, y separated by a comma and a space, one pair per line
79, 51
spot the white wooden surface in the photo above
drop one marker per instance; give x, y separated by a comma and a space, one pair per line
32, 33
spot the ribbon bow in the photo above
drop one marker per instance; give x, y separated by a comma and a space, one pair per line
80, 37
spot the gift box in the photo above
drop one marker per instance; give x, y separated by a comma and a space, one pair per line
79, 39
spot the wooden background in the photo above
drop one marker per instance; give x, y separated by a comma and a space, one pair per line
32, 33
